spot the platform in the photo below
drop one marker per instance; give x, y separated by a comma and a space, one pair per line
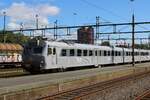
36, 86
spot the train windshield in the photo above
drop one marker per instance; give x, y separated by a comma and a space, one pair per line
38, 50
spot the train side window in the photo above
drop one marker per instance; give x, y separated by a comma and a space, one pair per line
128, 53
112, 53
90, 53
108, 53
72, 52
54, 51
64, 52
95, 53
85, 52
100, 53
105, 53
79, 52
116, 53
136, 53
49, 51
119, 53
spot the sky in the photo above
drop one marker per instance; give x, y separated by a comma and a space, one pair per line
71, 12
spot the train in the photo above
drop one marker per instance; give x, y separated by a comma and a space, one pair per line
40, 55
10, 55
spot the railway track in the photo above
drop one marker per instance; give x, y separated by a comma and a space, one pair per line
80, 93
144, 96
12, 72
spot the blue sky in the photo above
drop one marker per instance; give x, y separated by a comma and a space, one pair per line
84, 11
72, 12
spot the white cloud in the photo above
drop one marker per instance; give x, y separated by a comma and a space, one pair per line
21, 12
12, 25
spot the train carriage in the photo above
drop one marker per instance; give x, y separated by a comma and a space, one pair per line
42, 55
63, 55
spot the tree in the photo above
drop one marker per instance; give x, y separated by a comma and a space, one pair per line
105, 43
11, 37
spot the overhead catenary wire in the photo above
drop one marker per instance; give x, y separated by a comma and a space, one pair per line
103, 9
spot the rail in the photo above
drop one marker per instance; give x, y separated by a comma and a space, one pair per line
144, 96
78, 94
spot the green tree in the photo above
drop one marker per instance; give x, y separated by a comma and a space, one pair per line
105, 43
11, 37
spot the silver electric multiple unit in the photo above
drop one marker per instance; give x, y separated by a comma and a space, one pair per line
46, 55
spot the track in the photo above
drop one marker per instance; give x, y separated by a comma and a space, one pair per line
12, 72
84, 92
144, 96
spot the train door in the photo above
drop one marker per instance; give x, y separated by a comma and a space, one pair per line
112, 55
95, 57
52, 57
123, 55
91, 54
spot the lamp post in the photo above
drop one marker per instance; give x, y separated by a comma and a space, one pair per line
37, 21
4, 27
55, 29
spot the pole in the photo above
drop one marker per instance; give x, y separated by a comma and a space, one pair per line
97, 27
37, 21
4, 13
133, 44
55, 29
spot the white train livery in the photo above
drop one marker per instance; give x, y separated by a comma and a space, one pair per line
44, 54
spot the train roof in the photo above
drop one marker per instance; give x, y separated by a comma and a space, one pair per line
87, 46
76, 45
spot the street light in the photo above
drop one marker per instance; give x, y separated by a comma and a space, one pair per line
37, 21
55, 29
4, 14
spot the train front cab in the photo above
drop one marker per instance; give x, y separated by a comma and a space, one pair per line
33, 59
